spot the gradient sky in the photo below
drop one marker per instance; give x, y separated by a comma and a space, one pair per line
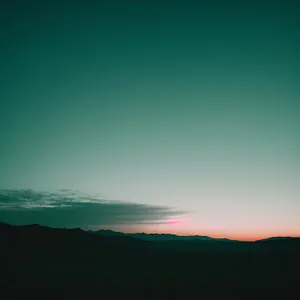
192, 105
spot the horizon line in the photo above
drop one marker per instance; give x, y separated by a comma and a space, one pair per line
88, 229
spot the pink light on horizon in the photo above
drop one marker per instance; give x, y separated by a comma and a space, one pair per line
176, 221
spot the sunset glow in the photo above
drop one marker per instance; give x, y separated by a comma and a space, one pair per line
152, 117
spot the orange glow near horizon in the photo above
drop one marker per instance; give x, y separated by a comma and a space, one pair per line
183, 227
238, 236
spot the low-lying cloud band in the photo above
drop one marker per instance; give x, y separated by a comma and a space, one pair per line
69, 209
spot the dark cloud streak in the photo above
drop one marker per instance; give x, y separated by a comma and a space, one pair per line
74, 209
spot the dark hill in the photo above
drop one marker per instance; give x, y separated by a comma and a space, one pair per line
35, 257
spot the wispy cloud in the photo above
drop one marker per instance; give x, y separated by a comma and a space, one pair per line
66, 208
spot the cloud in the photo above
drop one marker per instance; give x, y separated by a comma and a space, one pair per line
68, 209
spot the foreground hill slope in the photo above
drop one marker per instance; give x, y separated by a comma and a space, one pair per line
34, 256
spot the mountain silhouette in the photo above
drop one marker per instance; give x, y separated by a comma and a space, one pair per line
155, 236
119, 264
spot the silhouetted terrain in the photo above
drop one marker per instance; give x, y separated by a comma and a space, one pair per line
34, 257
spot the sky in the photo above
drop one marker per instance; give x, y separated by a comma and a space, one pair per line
156, 116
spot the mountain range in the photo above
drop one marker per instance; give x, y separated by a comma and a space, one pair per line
126, 265
159, 237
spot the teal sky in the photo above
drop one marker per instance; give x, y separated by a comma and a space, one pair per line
192, 105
